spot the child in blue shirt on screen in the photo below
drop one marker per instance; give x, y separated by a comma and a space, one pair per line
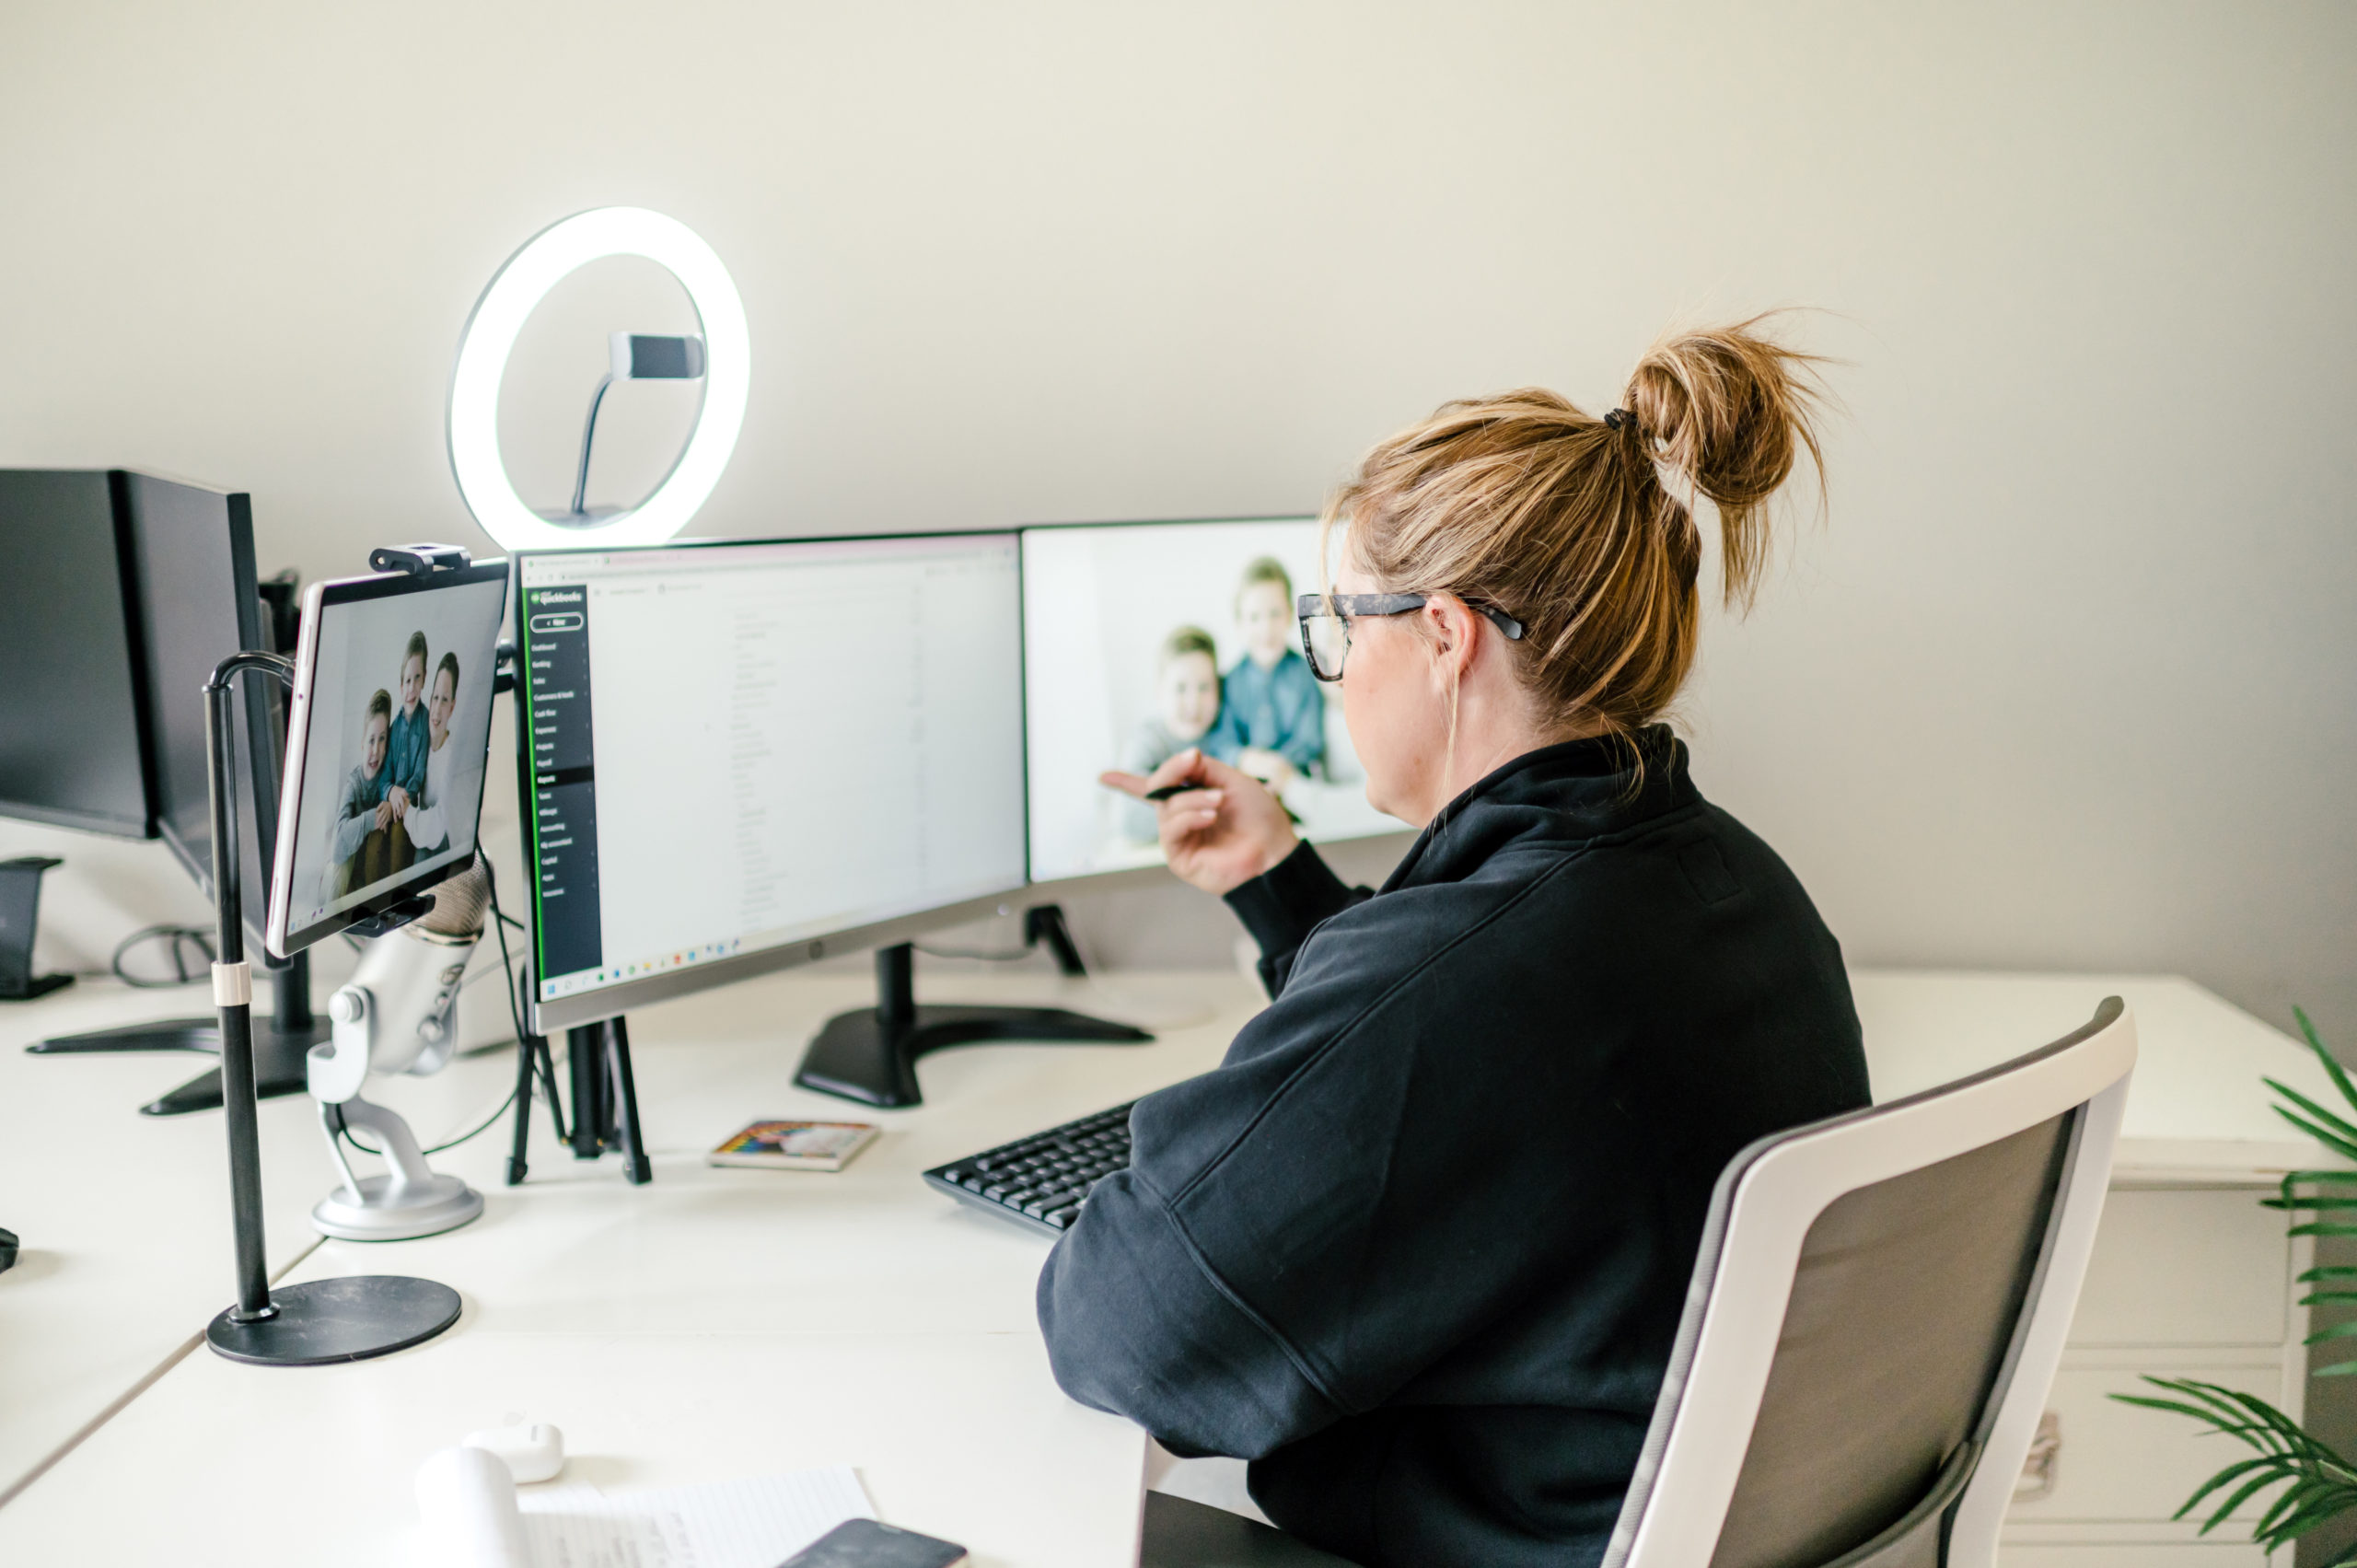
1272, 717
411, 739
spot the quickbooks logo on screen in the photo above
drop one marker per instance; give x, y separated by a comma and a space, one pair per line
564, 789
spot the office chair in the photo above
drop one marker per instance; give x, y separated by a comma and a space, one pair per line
1874, 1323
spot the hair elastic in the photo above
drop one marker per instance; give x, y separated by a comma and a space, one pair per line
1619, 418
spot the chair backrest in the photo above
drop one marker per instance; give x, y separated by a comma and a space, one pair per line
1874, 1319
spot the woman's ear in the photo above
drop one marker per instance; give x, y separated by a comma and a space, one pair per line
1449, 622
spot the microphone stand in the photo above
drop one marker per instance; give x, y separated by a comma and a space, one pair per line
318, 1322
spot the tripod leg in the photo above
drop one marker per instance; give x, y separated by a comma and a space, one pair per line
635, 1166
524, 1066
544, 1061
584, 1050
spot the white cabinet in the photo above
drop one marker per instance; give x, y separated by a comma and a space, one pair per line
2191, 1277
2186, 1282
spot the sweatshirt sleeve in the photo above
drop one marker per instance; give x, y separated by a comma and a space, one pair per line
1285, 903
1138, 1324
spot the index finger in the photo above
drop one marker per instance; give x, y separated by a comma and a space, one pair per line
1128, 784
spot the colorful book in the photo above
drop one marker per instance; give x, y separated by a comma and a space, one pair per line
794, 1146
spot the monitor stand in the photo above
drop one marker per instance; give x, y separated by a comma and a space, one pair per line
281, 1044
870, 1055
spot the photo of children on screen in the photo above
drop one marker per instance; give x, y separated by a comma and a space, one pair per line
1271, 717
389, 810
1143, 639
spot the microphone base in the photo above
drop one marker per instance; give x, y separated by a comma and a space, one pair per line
389, 1211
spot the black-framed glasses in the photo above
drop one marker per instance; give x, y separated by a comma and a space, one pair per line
1326, 623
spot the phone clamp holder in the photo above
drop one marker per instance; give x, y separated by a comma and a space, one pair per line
393, 917
419, 559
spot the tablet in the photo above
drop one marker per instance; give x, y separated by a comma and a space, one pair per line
387, 739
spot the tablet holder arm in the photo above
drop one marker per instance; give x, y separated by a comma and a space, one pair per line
318, 1322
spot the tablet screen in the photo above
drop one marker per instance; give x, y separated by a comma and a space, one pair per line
387, 737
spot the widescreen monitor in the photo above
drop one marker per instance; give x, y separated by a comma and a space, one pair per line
1142, 639
73, 739
744, 755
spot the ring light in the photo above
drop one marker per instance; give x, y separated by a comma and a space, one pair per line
547, 259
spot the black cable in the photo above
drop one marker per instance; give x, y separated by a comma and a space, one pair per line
541, 1068
349, 1137
179, 937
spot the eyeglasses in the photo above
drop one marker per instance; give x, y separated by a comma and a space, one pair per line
1326, 623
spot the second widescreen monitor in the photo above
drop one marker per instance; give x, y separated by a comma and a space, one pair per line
1142, 639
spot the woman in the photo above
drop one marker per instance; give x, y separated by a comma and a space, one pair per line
1419, 1246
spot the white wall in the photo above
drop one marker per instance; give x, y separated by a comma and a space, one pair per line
2068, 680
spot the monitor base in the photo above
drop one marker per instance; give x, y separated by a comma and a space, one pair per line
281, 1044
39, 986
870, 1055
321, 1322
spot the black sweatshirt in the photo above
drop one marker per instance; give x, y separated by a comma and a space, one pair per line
1418, 1248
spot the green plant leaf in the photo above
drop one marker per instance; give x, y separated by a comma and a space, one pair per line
2331, 1065
2339, 1124
2312, 1129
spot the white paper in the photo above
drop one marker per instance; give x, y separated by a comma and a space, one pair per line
755, 1523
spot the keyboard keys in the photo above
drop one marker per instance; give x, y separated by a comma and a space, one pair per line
1045, 1179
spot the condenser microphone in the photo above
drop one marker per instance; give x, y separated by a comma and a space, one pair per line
398, 1013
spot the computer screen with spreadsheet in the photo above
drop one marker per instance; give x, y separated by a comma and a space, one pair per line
737, 753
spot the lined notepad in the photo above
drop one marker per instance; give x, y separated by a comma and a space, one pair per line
755, 1523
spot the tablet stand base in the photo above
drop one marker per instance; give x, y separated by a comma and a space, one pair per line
321, 1322
870, 1055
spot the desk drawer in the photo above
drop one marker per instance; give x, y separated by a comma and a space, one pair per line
2111, 1555
2193, 1266
2124, 1464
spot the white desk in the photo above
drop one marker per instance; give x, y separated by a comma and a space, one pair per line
724, 1323
125, 1219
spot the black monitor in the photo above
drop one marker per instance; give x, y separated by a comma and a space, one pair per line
182, 557
192, 564
73, 746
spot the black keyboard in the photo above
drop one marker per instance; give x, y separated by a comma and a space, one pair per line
1042, 1180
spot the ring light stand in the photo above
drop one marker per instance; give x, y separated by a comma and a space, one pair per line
318, 1321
